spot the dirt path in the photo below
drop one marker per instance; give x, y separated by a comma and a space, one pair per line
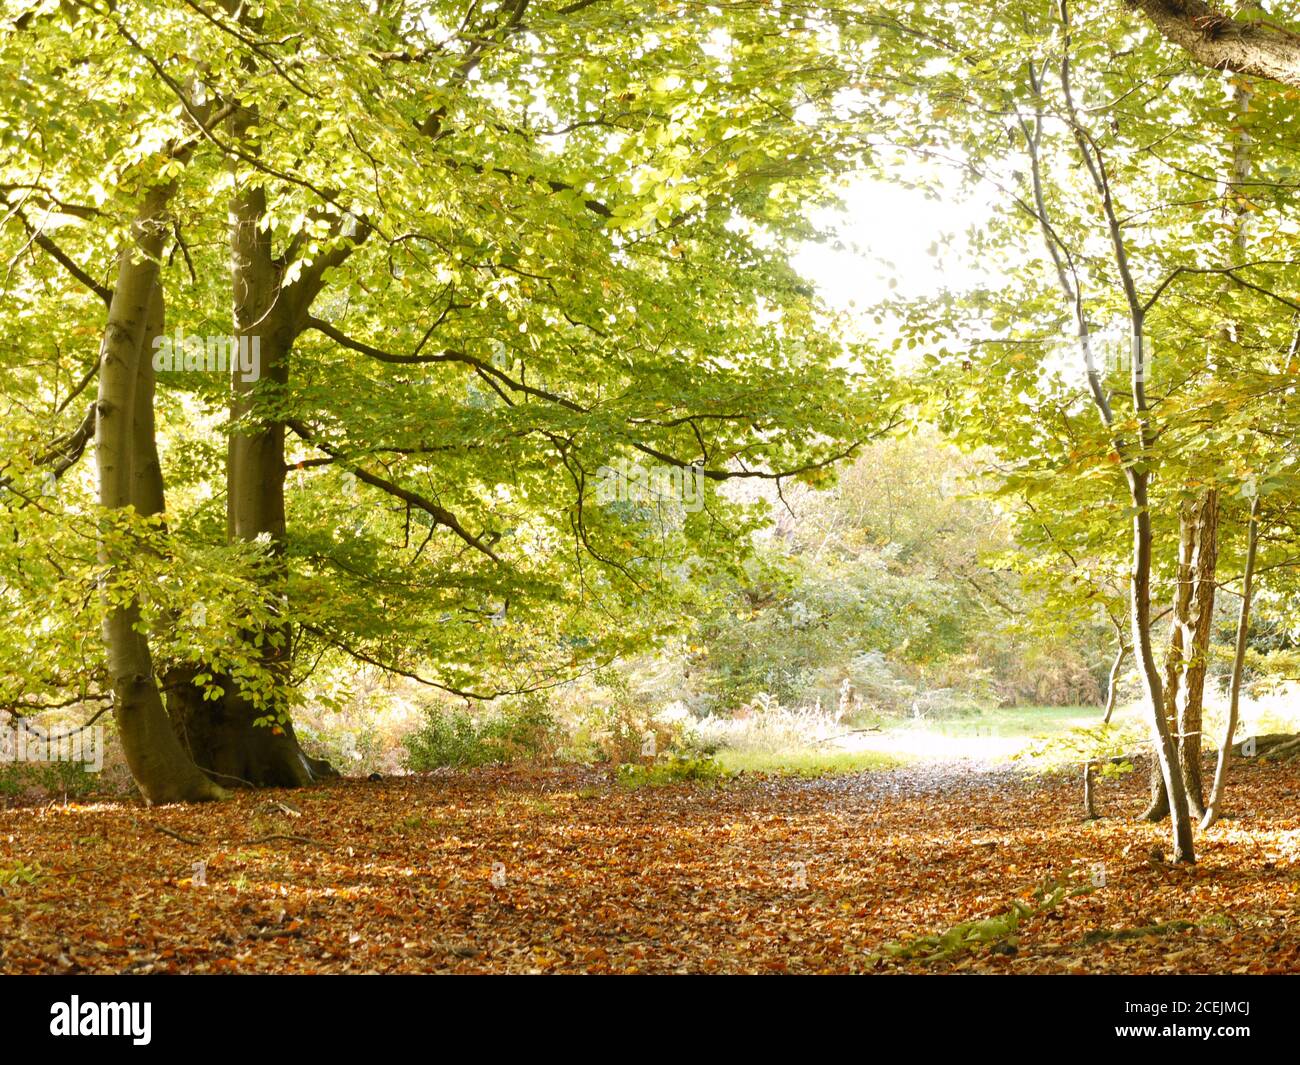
919, 779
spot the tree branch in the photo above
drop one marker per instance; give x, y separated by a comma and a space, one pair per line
439, 514
1211, 37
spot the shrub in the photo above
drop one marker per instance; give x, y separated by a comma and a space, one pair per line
69, 780
619, 733
356, 747
616, 728
523, 731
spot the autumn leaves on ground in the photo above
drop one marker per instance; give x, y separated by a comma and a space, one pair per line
569, 870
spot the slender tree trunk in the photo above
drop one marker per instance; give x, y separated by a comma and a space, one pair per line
1091, 767
129, 476
1112, 684
1162, 740
1238, 667
1191, 696
1198, 541
1135, 454
1158, 808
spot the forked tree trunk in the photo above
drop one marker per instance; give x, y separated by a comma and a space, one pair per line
1189, 648
224, 735
129, 476
1238, 667
1198, 527
1158, 808
1190, 708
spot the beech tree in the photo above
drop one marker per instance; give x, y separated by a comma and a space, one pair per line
482, 253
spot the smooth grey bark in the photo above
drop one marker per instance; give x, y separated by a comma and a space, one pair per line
148, 493
158, 763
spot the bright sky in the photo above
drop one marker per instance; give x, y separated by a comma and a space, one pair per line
887, 232
891, 232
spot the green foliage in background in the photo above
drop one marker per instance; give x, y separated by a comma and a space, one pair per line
523, 730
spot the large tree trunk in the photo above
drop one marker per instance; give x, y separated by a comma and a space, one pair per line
239, 739
225, 736
1210, 36
229, 744
1238, 667
129, 476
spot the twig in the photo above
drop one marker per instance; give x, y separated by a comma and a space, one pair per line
228, 776
282, 807
176, 835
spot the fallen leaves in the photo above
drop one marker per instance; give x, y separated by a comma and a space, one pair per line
562, 871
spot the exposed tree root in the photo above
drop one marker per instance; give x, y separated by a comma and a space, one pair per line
1273, 747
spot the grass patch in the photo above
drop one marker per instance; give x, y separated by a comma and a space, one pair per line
1015, 722
805, 763
679, 769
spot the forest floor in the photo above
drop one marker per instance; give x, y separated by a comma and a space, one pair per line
565, 870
